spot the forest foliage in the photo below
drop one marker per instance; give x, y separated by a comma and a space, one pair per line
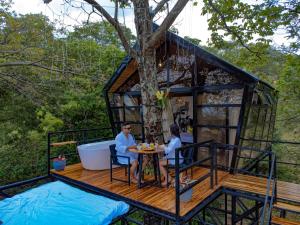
52, 79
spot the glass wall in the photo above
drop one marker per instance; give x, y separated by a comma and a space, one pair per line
218, 113
127, 108
259, 122
206, 102
182, 107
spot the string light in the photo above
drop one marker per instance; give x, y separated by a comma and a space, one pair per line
160, 64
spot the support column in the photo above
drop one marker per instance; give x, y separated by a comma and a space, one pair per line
233, 210
257, 211
226, 210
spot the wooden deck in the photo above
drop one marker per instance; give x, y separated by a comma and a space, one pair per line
283, 221
164, 198
160, 198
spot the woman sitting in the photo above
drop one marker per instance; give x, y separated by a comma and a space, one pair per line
170, 152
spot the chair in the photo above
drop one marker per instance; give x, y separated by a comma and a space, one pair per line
114, 161
188, 158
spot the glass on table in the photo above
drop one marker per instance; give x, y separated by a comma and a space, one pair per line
144, 145
139, 147
152, 145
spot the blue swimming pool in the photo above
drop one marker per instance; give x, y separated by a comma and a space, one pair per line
57, 203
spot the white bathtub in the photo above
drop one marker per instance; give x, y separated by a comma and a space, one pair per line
95, 156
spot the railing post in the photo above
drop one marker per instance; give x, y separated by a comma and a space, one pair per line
48, 152
270, 163
215, 163
226, 210
177, 183
275, 178
84, 137
233, 209
211, 149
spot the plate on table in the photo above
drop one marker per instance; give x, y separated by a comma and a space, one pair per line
148, 149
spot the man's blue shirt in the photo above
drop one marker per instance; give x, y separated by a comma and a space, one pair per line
122, 143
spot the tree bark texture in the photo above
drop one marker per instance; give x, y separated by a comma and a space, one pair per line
147, 69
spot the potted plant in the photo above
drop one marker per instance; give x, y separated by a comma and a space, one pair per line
59, 163
184, 182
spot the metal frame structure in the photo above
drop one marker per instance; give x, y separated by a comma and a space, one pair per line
250, 85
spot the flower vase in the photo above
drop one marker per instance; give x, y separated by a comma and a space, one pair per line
59, 164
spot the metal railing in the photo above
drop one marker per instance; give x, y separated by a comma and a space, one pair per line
212, 147
77, 137
212, 174
269, 199
271, 184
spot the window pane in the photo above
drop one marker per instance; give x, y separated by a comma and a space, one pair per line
133, 114
118, 115
211, 116
136, 130
233, 115
267, 124
261, 122
251, 123
219, 135
130, 100
182, 107
205, 134
221, 97
115, 100
210, 75
179, 65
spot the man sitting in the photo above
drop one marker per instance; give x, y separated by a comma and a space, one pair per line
124, 142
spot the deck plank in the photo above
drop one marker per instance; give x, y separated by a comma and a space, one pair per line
287, 206
288, 191
282, 221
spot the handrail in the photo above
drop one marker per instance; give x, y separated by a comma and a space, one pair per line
211, 174
274, 192
74, 140
271, 188
273, 141
23, 182
79, 130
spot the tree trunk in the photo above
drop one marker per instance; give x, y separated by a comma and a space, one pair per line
146, 59
149, 86
167, 119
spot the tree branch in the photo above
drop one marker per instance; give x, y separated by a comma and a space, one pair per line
230, 30
116, 25
168, 21
21, 90
159, 6
35, 64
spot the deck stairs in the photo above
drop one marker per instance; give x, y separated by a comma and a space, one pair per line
288, 196
287, 201
283, 221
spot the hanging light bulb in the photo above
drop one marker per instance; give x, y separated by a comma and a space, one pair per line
160, 64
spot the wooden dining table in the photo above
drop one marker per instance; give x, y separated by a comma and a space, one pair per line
155, 161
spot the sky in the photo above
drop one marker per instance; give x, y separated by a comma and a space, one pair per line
190, 22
